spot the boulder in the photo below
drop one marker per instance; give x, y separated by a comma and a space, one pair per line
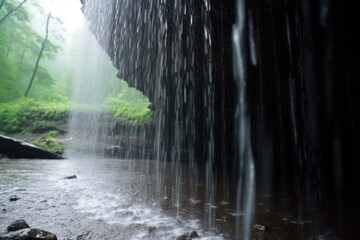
28, 234
17, 225
20, 230
14, 148
188, 236
194, 234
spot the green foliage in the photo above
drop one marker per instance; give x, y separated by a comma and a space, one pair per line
48, 106
130, 104
51, 143
10, 87
14, 9
29, 115
20, 46
37, 116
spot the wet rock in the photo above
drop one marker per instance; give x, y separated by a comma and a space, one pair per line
15, 148
85, 236
259, 227
17, 225
28, 234
258, 232
194, 234
151, 229
188, 236
71, 177
183, 237
14, 198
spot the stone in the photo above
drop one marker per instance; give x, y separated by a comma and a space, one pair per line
258, 232
194, 234
85, 236
15, 148
151, 229
71, 177
17, 225
13, 198
188, 236
259, 227
28, 234
182, 237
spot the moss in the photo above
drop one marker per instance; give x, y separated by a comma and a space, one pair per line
51, 143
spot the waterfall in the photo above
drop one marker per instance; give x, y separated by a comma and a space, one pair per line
87, 125
245, 94
156, 47
168, 50
246, 183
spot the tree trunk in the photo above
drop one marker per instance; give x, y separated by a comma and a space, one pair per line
11, 11
40, 55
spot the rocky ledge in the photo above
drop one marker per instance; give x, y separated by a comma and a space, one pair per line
14, 148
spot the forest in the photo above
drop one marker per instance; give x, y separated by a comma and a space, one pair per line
38, 65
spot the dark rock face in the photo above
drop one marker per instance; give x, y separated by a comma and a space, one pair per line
304, 105
186, 72
14, 148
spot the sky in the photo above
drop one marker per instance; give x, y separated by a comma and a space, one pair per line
69, 11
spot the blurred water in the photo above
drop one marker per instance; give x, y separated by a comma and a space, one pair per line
246, 183
88, 127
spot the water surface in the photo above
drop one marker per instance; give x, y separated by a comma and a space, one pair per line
109, 199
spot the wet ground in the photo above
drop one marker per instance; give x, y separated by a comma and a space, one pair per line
109, 199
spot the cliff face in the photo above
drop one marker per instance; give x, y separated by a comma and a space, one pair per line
301, 60
179, 54
304, 105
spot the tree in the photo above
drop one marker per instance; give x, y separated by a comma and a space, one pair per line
21, 45
10, 87
11, 11
40, 54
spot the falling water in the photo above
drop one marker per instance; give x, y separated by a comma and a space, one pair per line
93, 70
213, 128
157, 41
246, 184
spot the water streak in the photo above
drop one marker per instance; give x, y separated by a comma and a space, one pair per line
246, 183
87, 126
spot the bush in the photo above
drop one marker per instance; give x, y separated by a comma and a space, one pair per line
134, 108
29, 115
50, 143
